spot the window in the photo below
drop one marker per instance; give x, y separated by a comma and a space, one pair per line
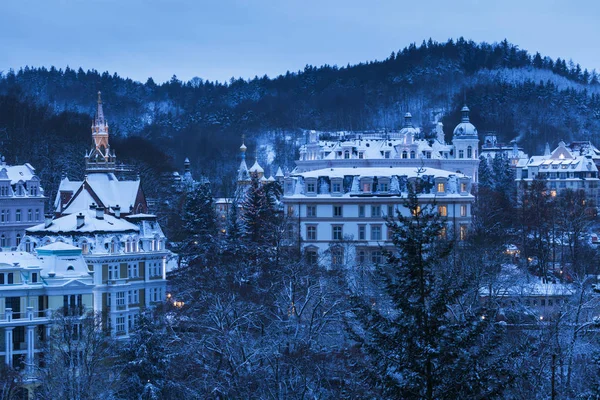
390, 210
3, 216
463, 210
311, 211
113, 272
120, 325
120, 300
469, 152
383, 187
375, 211
133, 270
443, 211
133, 296
312, 256
362, 235
412, 154
463, 232
311, 232
441, 188
337, 211
3, 240
131, 321
360, 257
10, 278
443, 233
18, 239
463, 187
37, 215
461, 154
337, 187
346, 154
366, 187
34, 277
375, 232
18, 216
310, 187
85, 247
361, 155
290, 210
337, 232
30, 215
415, 212
337, 256
376, 257
404, 154
361, 211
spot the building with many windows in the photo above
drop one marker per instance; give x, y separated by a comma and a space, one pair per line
405, 148
562, 169
21, 202
341, 191
32, 286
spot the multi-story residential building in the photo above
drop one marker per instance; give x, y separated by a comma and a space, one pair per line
561, 169
21, 202
405, 148
338, 196
123, 246
32, 286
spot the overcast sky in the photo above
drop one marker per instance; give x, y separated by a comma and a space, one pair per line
219, 39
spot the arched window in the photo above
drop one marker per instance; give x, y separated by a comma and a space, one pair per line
347, 154
85, 247
404, 154
70, 268
3, 240
469, 152
18, 239
28, 246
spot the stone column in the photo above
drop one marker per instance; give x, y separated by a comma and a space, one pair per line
30, 347
8, 335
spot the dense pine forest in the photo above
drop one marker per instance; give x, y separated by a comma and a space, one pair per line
509, 90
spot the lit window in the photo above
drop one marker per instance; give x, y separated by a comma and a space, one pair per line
463, 187
443, 211
366, 187
443, 233
463, 232
441, 188
463, 210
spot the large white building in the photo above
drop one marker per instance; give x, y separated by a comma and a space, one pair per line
342, 189
32, 286
405, 148
562, 169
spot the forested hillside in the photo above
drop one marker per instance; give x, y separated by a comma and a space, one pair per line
511, 91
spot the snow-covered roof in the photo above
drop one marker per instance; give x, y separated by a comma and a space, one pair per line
65, 186
58, 246
113, 192
18, 173
378, 171
68, 224
256, 167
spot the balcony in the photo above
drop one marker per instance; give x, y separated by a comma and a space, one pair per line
29, 317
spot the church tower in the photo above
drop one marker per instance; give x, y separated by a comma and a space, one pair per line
465, 139
100, 158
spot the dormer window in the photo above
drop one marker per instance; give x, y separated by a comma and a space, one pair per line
404, 154
336, 187
361, 155
347, 154
461, 154
310, 187
412, 154
441, 187
387, 154
366, 187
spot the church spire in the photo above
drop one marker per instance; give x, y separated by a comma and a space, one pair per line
100, 158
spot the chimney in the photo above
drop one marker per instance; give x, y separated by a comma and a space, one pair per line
47, 220
93, 206
80, 220
99, 213
117, 210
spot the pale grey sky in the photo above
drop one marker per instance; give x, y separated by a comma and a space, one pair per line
224, 38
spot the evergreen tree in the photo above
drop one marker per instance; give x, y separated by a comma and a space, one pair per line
200, 224
486, 177
257, 213
417, 348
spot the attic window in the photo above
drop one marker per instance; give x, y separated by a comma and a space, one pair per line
70, 268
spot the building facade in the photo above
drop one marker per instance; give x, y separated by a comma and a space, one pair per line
561, 169
21, 202
32, 287
342, 190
